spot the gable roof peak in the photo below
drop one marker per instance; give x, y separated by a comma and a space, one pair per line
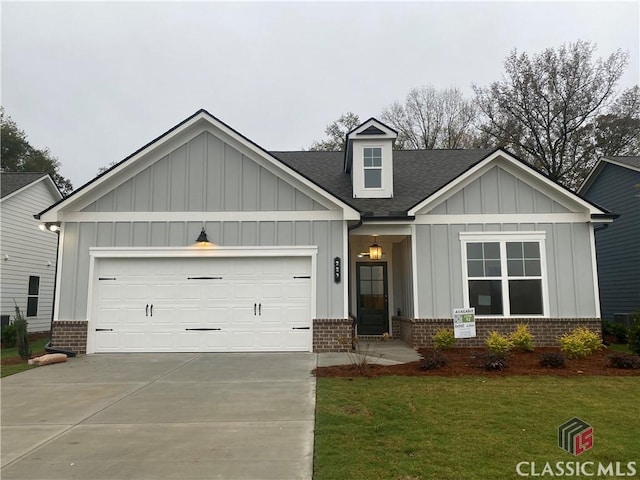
375, 123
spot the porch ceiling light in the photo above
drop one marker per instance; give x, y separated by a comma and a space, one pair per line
375, 251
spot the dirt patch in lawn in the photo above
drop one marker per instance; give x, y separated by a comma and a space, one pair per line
465, 361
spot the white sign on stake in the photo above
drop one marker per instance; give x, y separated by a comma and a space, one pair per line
464, 322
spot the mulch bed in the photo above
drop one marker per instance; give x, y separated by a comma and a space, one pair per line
463, 361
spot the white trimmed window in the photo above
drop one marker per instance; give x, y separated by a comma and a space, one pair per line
372, 167
505, 273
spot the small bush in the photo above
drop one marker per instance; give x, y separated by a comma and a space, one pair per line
623, 360
553, 360
443, 338
618, 330
437, 360
497, 343
491, 361
8, 336
634, 334
521, 338
581, 342
22, 338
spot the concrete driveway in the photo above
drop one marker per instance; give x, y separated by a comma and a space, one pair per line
169, 416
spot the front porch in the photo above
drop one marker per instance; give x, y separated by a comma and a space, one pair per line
380, 278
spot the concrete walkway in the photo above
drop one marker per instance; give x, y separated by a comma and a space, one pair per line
169, 416
391, 352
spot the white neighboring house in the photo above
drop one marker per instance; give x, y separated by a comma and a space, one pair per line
27, 254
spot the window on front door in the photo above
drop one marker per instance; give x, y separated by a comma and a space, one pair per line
372, 167
32, 298
504, 277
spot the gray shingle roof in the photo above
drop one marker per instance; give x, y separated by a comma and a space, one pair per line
11, 182
417, 174
633, 162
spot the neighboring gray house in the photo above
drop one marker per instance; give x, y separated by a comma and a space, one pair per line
301, 240
27, 254
614, 183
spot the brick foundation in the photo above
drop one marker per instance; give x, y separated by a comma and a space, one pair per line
332, 334
417, 332
70, 335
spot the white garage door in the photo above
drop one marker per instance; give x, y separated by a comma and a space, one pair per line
202, 305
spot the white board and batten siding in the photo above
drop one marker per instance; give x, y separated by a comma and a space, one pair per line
26, 251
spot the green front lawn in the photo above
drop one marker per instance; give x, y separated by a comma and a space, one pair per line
410, 428
37, 347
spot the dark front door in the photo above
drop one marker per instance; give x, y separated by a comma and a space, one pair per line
373, 317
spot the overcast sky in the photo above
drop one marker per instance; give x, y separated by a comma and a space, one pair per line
96, 81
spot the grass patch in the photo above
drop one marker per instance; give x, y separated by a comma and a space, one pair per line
470, 427
37, 347
619, 347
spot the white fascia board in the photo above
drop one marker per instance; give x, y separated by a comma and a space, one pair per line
164, 145
45, 178
516, 168
478, 218
200, 252
189, 216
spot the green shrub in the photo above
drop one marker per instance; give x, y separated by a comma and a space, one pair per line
437, 360
616, 329
521, 338
22, 337
581, 342
625, 361
443, 338
8, 336
634, 334
553, 360
497, 343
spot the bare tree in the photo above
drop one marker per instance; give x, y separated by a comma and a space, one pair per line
543, 104
431, 118
618, 131
336, 133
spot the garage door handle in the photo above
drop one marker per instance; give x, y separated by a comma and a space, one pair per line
146, 310
300, 328
254, 308
152, 309
104, 329
201, 329
259, 309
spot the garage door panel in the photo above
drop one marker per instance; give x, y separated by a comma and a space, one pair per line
187, 301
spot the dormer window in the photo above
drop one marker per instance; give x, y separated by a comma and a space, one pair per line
372, 167
367, 145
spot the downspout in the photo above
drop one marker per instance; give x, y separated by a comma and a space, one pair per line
49, 348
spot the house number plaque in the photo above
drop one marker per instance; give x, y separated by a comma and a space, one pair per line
336, 270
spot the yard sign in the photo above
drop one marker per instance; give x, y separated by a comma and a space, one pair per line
464, 322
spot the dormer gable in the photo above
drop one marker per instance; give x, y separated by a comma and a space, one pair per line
369, 159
